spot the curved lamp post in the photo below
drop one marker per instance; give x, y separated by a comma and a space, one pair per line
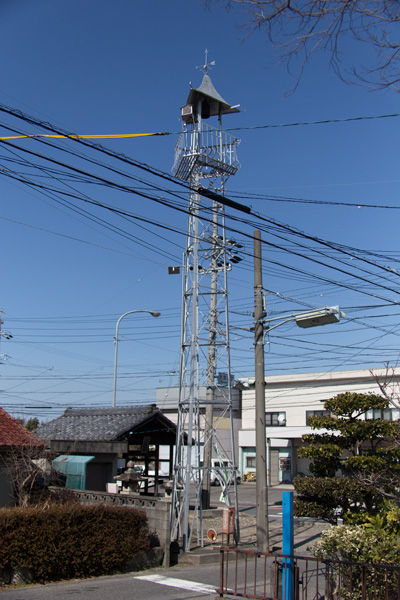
153, 313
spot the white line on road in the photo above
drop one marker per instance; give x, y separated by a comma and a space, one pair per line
192, 586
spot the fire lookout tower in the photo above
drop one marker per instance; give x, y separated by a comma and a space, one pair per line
205, 157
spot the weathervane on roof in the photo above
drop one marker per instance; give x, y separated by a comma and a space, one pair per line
206, 67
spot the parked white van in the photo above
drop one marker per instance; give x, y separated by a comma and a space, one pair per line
222, 468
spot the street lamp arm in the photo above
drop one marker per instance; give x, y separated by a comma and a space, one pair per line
153, 313
268, 329
311, 318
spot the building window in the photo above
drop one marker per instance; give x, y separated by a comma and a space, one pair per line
387, 414
316, 413
250, 462
275, 419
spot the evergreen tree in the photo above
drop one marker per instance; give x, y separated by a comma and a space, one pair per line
32, 424
355, 461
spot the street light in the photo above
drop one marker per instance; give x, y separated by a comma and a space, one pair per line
311, 318
153, 313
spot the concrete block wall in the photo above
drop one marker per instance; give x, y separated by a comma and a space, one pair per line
158, 512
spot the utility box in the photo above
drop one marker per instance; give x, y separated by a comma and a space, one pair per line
228, 523
228, 519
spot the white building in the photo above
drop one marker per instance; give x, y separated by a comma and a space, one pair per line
167, 400
289, 401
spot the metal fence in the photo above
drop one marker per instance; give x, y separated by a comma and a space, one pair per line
263, 576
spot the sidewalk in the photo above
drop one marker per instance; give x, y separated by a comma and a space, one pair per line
306, 532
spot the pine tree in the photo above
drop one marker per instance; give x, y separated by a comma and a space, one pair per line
355, 460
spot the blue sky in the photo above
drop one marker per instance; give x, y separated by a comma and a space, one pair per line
95, 68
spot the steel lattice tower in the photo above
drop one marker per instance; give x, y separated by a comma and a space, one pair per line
206, 157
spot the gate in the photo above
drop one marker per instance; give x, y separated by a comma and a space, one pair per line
264, 576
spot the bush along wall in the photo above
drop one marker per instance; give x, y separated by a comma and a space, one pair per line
70, 541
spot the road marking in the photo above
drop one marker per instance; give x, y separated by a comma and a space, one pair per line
193, 586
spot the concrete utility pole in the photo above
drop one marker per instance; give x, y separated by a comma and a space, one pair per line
261, 441
209, 412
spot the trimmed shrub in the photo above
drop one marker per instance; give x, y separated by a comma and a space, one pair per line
356, 543
330, 498
364, 450
70, 541
360, 545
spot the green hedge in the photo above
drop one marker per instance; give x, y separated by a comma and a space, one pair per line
330, 497
70, 541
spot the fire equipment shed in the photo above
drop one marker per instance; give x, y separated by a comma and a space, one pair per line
112, 436
74, 469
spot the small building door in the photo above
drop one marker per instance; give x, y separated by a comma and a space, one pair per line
274, 466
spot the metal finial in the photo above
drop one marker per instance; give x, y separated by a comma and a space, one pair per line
206, 67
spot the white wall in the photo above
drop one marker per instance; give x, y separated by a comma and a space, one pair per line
295, 394
167, 398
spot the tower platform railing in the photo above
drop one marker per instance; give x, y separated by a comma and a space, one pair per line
214, 154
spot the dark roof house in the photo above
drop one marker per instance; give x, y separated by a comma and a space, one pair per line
125, 433
96, 424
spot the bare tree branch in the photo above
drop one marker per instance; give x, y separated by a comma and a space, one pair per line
27, 467
298, 29
389, 385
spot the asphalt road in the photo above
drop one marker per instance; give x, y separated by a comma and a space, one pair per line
184, 582
158, 584
247, 498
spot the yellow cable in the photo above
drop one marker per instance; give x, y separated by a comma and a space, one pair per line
84, 137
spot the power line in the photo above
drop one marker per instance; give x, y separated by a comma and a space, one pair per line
226, 201
163, 133
291, 199
321, 122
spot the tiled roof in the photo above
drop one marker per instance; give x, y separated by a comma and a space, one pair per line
95, 424
13, 433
